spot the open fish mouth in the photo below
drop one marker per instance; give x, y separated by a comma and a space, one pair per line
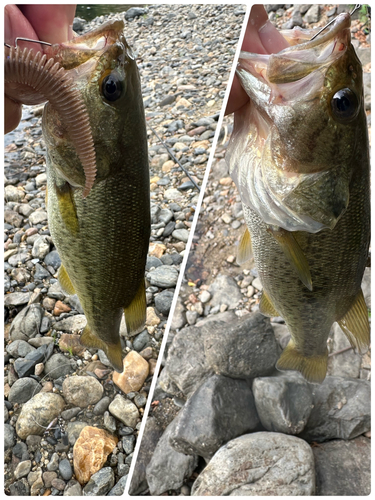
304, 103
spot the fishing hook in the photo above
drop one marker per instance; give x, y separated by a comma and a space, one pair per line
357, 6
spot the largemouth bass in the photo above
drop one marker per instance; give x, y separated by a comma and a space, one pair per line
299, 156
99, 216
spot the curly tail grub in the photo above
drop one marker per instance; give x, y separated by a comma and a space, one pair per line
47, 78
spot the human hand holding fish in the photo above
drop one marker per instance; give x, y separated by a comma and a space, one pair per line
299, 157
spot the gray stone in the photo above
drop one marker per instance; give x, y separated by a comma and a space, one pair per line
53, 259
53, 464
179, 316
38, 217
165, 215
341, 410
283, 403
58, 365
37, 413
245, 349
181, 234
11, 193
312, 15
261, 464
82, 391
65, 469
134, 12
71, 324
41, 247
128, 443
163, 301
364, 54
225, 317
20, 488
224, 290
74, 429
343, 468
220, 410
141, 340
23, 389
100, 483
19, 349
186, 364
26, 324
17, 299
41, 273
71, 413
9, 436
24, 367
124, 410
109, 422
165, 458
48, 477
163, 276
73, 489
119, 487
101, 406
151, 435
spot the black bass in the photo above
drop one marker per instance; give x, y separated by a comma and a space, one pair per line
98, 187
299, 156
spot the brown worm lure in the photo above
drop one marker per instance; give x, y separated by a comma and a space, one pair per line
34, 78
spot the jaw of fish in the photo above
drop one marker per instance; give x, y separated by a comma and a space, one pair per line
305, 105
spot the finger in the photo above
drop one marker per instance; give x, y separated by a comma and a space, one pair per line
52, 23
16, 24
13, 113
237, 97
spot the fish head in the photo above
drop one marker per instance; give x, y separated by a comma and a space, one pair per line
306, 106
104, 71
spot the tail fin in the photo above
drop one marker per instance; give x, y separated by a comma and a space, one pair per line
113, 351
313, 368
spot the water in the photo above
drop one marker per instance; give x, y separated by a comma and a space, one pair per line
90, 11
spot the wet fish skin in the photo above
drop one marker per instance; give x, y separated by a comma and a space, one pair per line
336, 238
102, 238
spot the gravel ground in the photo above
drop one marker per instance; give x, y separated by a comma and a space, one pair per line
184, 55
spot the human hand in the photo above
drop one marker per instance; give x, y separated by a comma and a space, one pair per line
261, 37
48, 23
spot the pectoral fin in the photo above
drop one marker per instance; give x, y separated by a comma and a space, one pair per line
294, 254
66, 207
244, 251
135, 313
113, 351
313, 368
266, 307
65, 282
355, 324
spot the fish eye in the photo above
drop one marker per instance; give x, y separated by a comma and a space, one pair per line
345, 105
112, 87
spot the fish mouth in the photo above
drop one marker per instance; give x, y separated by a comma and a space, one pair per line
296, 72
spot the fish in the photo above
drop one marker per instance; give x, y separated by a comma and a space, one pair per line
98, 194
299, 156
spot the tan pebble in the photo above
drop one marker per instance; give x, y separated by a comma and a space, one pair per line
226, 181
135, 372
367, 434
153, 186
223, 307
39, 369
179, 246
183, 102
48, 303
152, 318
70, 343
167, 166
231, 259
157, 249
90, 452
95, 357
60, 307
146, 353
47, 387
154, 179
6, 390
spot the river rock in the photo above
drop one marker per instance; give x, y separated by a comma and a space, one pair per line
19, 349
220, 410
9, 436
124, 410
90, 452
187, 364
261, 464
23, 389
343, 468
38, 411
82, 391
100, 483
165, 458
151, 435
119, 487
26, 324
58, 366
283, 403
224, 290
245, 349
346, 364
163, 276
341, 410
134, 373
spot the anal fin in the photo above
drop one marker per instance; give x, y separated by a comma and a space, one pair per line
113, 351
65, 282
355, 324
313, 368
244, 251
266, 307
294, 254
135, 313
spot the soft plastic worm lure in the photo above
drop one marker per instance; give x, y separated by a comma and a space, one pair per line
37, 78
